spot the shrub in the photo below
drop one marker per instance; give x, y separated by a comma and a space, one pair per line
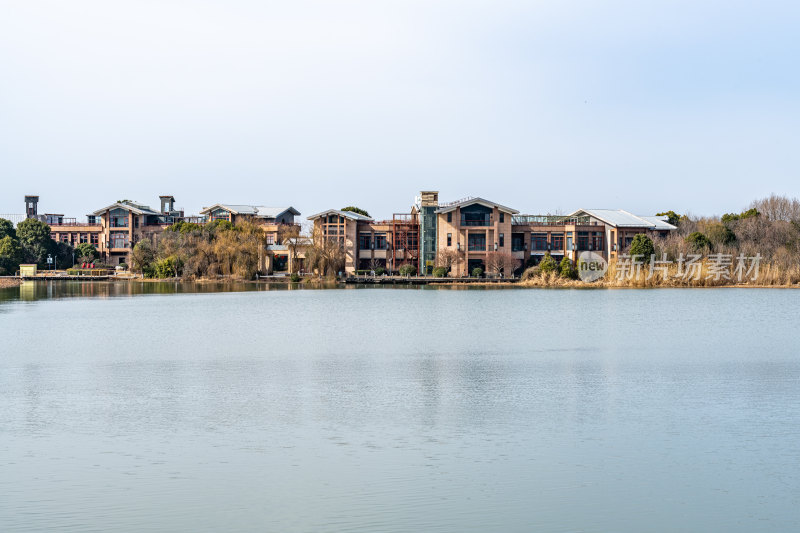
124, 265
567, 270
439, 272
380, 271
548, 264
295, 277
698, 241
354, 209
477, 272
408, 270
642, 245
530, 273
721, 234
168, 267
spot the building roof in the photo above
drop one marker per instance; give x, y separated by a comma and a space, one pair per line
346, 214
660, 222
255, 210
620, 218
444, 208
129, 206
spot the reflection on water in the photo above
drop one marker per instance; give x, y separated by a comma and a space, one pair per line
400, 410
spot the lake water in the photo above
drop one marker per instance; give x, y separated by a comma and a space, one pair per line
398, 409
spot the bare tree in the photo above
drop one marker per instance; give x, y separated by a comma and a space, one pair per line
289, 235
325, 254
447, 258
497, 262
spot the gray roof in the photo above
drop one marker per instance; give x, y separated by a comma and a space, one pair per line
660, 222
256, 210
619, 218
136, 208
346, 214
469, 201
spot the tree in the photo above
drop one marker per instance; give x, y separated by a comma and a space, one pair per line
477, 272
734, 217
672, 217
7, 228
86, 252
325, 254
497, 262
698, 242
34, 237
142, 257
721, 234
10, 255
447, 258
439, 272
547, 264
567, 269
354, 209
642, 245
289, 236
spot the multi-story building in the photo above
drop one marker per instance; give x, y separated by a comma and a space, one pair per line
473, 230
370, 244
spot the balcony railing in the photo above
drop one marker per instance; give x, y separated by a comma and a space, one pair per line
550, 220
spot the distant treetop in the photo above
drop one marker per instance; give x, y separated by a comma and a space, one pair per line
355, 210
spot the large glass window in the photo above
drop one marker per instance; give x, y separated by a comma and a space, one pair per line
95, 239
365, 241
118, 218
517, 242
119, 239
220, 214
476, 242
380, 241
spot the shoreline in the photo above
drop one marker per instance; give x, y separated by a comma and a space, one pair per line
7, 283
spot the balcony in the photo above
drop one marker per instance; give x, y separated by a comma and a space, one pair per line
474, 219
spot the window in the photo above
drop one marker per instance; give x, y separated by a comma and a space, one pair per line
65, 237
583, 240
84, 237
449, 239
538, 241
475, 219
476, 242
270, 238
95, 239
118, 218
364, 241
119, 239
91, 219
597, 240
558, 241
380, 241
569, 240
517, 242
220, 214
502, 219
450, 216
502, 240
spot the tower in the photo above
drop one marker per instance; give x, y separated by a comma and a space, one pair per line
31, 206
429, 203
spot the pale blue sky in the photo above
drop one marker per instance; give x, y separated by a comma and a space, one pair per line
542, 106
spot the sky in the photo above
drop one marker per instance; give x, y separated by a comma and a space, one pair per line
546, 107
